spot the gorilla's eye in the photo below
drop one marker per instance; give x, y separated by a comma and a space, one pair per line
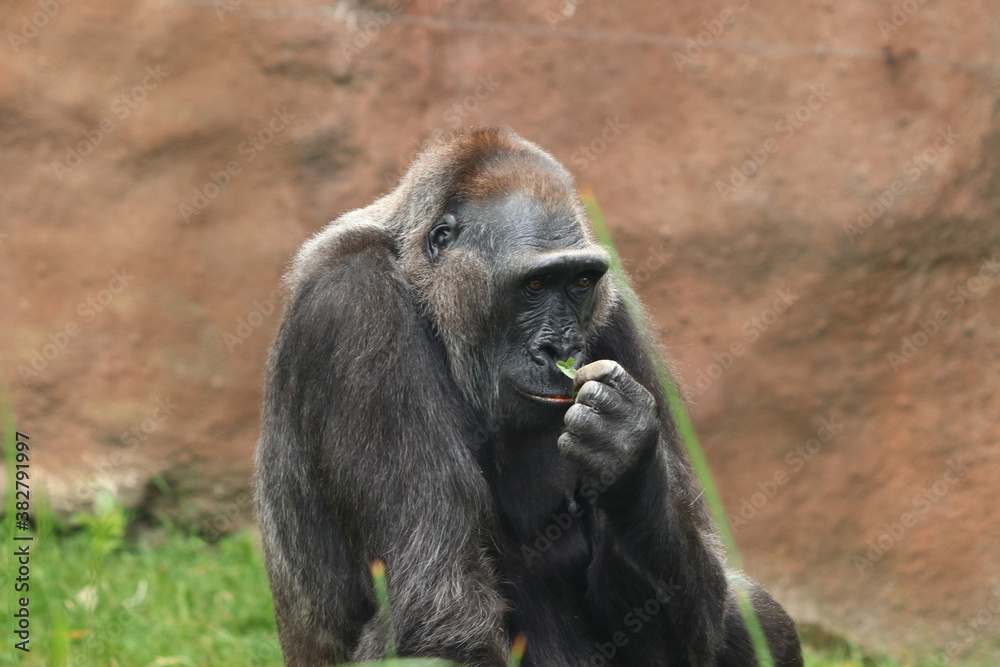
442, 235
535, 285
582, 284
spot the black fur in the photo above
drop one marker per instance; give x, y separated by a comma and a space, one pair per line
390, 432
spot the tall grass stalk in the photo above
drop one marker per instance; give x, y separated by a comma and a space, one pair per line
684, 426
517, 651
384, 612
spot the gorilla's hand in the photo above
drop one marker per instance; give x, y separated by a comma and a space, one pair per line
611, 425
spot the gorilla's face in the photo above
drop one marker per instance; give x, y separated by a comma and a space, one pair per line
544, 274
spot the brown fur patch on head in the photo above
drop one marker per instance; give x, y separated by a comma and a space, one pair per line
478, 165
504, 172
494, 162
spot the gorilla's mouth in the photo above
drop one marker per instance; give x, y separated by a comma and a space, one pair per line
557, 400
548, 399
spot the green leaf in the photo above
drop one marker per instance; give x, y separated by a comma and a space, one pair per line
568, 367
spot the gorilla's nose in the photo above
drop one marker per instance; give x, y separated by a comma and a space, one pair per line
551, 351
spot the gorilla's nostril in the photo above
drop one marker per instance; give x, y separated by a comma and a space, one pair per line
548, 353
543, 355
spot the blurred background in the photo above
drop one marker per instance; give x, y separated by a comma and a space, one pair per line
806, 195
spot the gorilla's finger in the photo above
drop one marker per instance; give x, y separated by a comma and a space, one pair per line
596, 370
568, 445
613, 375
601, 398
582, 420
578, 451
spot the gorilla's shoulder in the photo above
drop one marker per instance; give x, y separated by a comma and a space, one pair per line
356, 235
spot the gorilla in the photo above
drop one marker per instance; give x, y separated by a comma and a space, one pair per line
414, 413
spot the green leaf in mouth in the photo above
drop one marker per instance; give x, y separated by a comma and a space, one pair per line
568, 367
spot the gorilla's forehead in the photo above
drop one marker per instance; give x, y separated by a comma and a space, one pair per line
518, 223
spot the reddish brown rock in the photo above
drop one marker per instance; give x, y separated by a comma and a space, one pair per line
162, 160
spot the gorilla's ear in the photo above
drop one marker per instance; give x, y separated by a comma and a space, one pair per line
442, 234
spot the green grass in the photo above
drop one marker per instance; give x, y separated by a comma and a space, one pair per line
167, 599
822, 650
98, 597
163, 599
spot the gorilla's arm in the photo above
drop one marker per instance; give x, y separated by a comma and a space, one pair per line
363, 420
654, 540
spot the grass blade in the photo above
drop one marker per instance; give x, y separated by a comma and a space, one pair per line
684, 426
517, 651
382, 597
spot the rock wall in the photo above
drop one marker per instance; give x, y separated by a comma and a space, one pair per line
806, 195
